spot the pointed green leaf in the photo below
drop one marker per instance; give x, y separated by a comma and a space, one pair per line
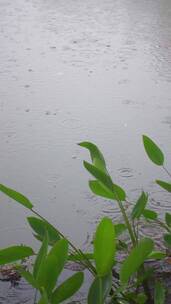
150, 214
40, 259
40, 227
104, 246
96, 156
159, 293
28, 277
140, 206
40, 238
68, 288
168, 219
135, 259
157, 255
95, 292
20, 198
167, 239
14, 253
99, 290
100, 175
153, 151
119, 193
100, 189
53, 265
164, 185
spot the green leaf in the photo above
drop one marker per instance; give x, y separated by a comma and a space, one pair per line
141, 298
104, 246
41, 227
157, 255
44, 297
40, 259
167, 239
119, 193
68, 288
28, 277
164, 185
140, 206
100, 175
96, 156
168, 219
14, 253
53, 265
159, 293
99, 290
104, 186
153, 151
119, 229
20, 198
106, 285
79, 257
147, 274
100, 189
135, 259
150, 214
95, 292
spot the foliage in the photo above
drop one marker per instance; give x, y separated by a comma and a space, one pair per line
113, 281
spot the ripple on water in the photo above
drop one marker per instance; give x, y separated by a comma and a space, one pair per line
126, 172
160, 201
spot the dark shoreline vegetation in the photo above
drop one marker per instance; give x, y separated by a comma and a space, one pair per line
130, 279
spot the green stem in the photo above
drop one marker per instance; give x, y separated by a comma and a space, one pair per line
165, 169
87, 262
163, 225
127, 223
135, 232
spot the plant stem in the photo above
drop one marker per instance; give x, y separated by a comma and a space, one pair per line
165, 169
163, 225
135, 232
127, 223
87, 262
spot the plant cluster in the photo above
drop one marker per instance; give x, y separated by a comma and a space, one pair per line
114, 280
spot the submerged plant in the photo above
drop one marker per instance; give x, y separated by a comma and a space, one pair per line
115, 280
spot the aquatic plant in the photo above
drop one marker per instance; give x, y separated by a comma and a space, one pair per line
126, 280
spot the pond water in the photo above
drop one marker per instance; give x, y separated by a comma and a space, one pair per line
73, 70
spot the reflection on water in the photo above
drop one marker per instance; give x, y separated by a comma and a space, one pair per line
80, 70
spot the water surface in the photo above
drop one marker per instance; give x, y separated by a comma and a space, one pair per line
72, 71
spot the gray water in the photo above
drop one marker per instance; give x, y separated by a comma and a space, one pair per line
70, 71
